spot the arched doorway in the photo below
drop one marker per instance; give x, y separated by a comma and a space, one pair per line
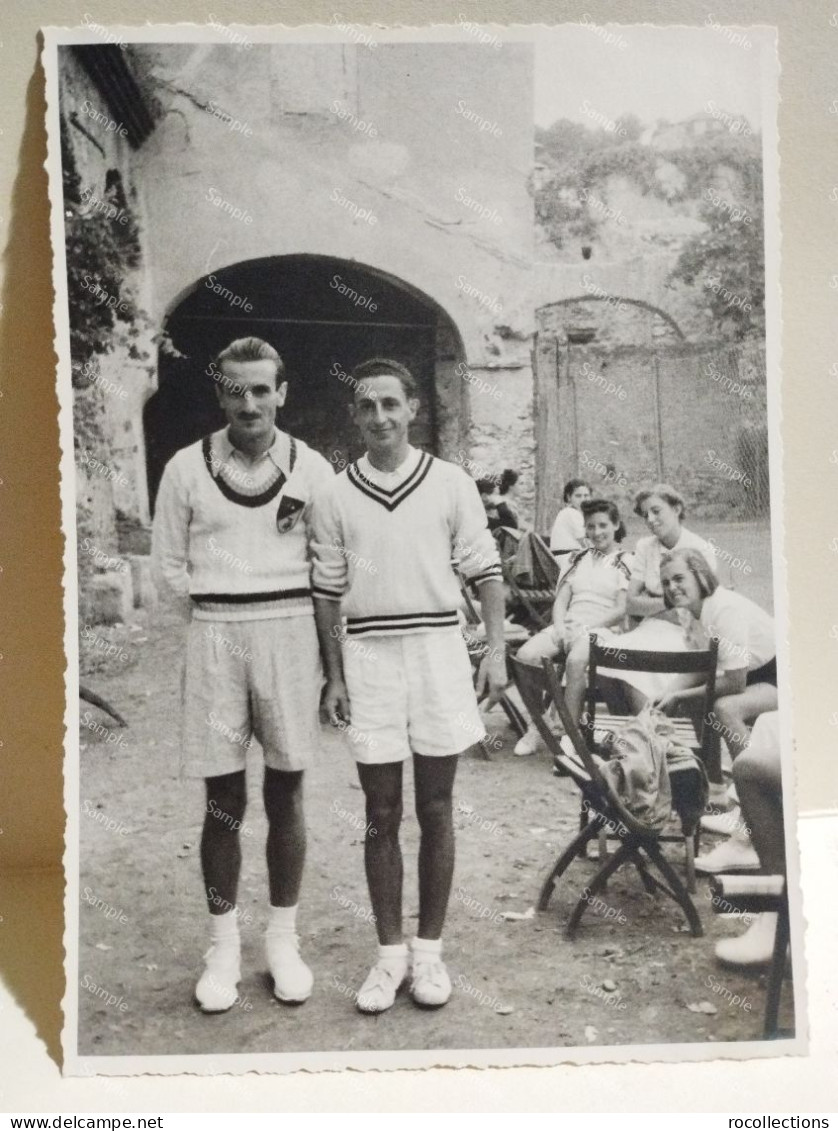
323, 315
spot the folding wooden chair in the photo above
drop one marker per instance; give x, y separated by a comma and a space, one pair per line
473, 618
538, 603
532, 575
754, 894
601, 809
477, 650
693, 732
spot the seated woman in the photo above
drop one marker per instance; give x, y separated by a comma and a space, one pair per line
591, 594
758, 779
568, 531
746, 684
660, 628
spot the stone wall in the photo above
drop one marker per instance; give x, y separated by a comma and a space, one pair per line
110, 385
501, 432
296, 176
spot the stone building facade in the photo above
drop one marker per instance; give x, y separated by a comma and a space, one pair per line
344, 201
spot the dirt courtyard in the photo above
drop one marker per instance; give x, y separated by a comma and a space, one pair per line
629, 977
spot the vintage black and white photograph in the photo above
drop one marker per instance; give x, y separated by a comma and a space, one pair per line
427, 685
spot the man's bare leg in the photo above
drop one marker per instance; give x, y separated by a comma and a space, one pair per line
434, 782
216, 990
434, 778
285, 851
382, 786
220, 845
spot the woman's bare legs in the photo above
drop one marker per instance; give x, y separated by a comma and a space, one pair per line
736, 712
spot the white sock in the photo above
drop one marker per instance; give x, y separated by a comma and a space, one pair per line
393, 956
282, 920
430, 948
225, 928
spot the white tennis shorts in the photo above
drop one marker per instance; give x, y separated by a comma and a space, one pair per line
410, 694
250, 679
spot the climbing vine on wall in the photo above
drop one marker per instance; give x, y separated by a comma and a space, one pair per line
724, 263
102, 243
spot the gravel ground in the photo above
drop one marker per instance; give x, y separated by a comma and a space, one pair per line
629, 977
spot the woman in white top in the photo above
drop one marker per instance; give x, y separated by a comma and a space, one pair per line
591, 594
660, 629
568, 531
746, 685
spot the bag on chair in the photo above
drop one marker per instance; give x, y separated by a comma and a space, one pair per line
636, 767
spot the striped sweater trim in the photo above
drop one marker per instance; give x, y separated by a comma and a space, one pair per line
401, 622
390, 499
245, 498
265, 610
487, 575
323, 591
204, 599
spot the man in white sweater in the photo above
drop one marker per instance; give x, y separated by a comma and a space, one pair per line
230, 537
398, 676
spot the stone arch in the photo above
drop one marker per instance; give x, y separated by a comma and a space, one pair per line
612, 302
324, 315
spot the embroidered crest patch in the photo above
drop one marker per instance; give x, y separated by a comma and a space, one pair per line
288, 513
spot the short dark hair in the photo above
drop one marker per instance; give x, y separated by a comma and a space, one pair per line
486, 486
698, 566
605, 506
508, 478
253, 349
663, 491
385, 367
572, 485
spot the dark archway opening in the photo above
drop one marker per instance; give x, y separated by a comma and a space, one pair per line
302, 305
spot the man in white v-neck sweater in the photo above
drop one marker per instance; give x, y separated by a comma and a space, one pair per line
231, 534
398, 676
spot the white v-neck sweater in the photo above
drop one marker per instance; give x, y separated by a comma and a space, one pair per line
238, 547
386, 551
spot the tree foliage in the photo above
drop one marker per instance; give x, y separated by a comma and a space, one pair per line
725, 259
101, 249
102, 243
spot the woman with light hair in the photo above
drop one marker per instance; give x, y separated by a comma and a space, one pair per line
746, 686
658, 628
746, 681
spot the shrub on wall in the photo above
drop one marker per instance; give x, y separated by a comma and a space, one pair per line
103, 248
723, 265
